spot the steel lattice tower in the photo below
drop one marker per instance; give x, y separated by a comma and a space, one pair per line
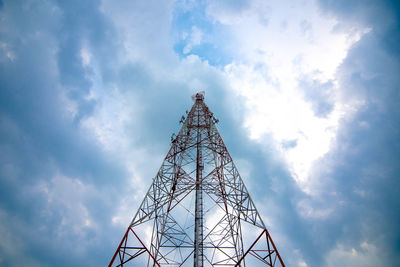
197, 212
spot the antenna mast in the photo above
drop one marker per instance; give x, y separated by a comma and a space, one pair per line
197, 207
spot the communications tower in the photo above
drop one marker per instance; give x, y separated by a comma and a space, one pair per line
197, 211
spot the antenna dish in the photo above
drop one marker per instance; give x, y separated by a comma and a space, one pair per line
198, 96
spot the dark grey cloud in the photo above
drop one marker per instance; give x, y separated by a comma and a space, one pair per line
382, 16
352, 217
364, 164
360, 174
39, 141
54, 175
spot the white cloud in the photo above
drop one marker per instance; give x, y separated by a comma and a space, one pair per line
86, 56
67, 197
6, 52
110, 125
142, 27
227, 12
272, 60
307, 210
195, 38
366, 254
108, 122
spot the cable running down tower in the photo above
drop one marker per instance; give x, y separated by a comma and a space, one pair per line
197, 211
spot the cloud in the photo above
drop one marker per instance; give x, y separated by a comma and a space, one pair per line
306, 93
81, 123
360, 169
359, 172
195, 38
320, 94
45, 94
227, 12
270, 76
366, 255
10, 245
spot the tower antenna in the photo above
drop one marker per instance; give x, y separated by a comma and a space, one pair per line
197, 211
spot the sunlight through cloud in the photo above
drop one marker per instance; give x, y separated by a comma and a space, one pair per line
269, 79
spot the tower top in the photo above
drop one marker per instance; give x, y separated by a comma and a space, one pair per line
197, 206
198, 96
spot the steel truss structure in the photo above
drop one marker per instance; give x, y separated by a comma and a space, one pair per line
197, 211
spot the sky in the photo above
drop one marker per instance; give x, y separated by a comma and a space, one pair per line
307, 94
